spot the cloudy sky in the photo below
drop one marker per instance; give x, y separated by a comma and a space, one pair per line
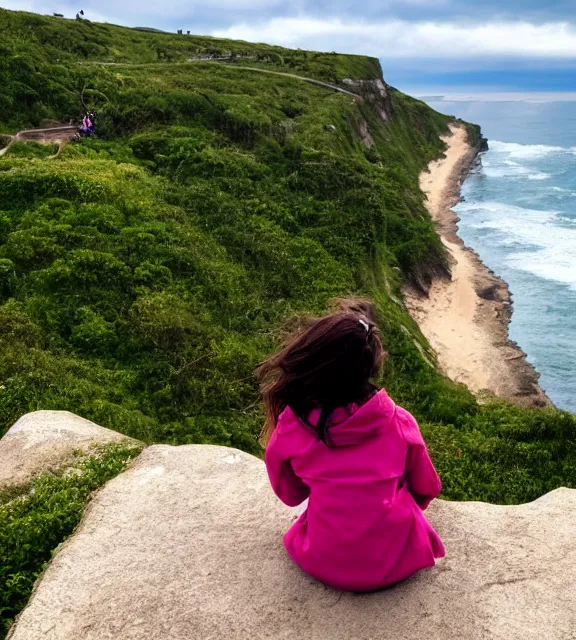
495, 45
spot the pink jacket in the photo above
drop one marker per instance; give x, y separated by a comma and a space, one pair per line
364, 526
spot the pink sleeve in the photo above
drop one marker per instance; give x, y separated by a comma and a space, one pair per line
285, 483
420, 475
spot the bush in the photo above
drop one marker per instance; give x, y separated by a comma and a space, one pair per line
31, 150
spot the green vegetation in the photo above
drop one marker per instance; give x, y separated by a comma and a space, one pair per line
31, 150
504, 454
37, 518
40, 58
146, 273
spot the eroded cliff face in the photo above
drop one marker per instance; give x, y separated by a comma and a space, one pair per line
187, 543
373, 91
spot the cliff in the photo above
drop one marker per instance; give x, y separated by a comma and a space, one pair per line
187, 543
144, 271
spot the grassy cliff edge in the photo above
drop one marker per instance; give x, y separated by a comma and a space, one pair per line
145, 273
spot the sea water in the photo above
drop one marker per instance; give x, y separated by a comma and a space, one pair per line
519, 214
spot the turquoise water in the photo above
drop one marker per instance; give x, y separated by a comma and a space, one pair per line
519, 214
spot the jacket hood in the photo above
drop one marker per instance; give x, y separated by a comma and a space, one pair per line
353, 424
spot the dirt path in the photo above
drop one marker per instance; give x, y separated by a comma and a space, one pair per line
3, 151
319, 83
466, 318
47, 134
50, 135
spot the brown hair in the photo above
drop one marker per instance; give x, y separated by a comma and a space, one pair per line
327, 365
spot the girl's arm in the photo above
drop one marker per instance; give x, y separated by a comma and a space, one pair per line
286, 484
421, 478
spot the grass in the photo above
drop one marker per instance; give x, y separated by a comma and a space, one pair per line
35, 519
31, 150
43, 61
146, 273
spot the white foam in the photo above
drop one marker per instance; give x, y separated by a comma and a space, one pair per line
538, 176
525, 151
511, 169
477, 95
548, 237
547, 264
568, 192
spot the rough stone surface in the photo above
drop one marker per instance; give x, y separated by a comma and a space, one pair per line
186, 545
44, 441
376, 92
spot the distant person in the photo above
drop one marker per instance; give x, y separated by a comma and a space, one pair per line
92, 118
85, 126
335, 438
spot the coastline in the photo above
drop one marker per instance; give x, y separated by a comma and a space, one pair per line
465, 318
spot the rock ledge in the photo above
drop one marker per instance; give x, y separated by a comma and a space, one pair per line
44, 441
186, 545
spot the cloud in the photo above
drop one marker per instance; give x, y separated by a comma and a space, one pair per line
416, 43
399, 39
202, 17
133, 10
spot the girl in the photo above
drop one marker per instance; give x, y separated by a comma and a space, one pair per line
340, 442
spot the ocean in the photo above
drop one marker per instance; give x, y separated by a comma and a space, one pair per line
519, 215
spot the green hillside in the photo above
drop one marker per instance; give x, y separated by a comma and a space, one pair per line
145, 273
40, 57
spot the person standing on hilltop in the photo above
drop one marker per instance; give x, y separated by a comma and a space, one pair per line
337, 440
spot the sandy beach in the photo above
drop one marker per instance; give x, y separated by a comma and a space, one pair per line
466, 318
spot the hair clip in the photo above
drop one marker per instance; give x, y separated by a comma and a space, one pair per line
365, 325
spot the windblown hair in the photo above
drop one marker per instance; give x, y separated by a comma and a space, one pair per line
326, 365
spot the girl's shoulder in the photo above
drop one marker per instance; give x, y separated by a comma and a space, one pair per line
407, 426
285, 419
289, 424
290, 436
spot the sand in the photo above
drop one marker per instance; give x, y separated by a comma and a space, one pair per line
465, 319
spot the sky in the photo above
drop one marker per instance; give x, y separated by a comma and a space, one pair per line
425, 46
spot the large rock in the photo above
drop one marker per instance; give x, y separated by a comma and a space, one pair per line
186, 545
44, 441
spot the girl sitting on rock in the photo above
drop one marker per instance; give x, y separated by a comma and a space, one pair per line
337, 440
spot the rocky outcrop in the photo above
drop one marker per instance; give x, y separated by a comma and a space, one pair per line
186, 544
483, 145
44, 441
375, 92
